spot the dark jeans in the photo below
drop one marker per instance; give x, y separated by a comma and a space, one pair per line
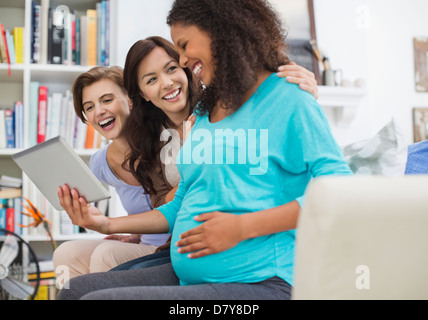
161, 283
150, 260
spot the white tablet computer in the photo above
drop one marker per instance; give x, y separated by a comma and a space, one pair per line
54, 163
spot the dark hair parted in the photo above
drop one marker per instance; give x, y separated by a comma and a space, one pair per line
247, 38
144, 125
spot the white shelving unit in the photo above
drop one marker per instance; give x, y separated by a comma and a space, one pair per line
16, 87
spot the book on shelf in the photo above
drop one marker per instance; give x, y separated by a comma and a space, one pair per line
48, 288
10, 182
9, 118
9, 193
2, 129
43, 20
10, 203
35, 32
56, 37
32, 114
19, 124
18, 38
61, 35
3, 45
10, 211
84, 40
11, 45
55, 116
42, 114
90, 137
12, 126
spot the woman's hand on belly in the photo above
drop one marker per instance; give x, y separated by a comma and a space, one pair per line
218, 232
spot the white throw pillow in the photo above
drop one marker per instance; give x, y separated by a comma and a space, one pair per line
385, 154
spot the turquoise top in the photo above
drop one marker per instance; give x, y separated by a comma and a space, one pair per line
261, 156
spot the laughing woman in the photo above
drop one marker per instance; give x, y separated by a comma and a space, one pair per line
101, 100
233, 220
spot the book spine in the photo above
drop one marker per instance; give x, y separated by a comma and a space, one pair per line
36, 33
78, 40
10, 128
56, 28
3, 203
19, 124
33, 31
4, 41
48, 119
44, 32
2, 129
81, 134
69, 120
42, 116
21, 44
84, 40
18, 215
11, 47
92, 37
10, 215
32, 119
107, 30
73, 39
99, 14
69, 36
55, 114
103, 33
17, 37
90, 135
3, 55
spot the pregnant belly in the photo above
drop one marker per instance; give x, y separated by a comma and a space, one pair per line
250, 261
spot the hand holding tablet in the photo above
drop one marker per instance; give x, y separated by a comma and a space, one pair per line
54, 163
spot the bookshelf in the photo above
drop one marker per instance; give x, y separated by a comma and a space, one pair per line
16, 80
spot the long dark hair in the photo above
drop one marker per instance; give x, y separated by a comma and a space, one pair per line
143, 127
247, 37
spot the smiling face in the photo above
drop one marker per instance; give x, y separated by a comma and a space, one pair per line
163, 82
194, 47
106, 108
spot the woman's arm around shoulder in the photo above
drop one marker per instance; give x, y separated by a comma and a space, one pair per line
300, 76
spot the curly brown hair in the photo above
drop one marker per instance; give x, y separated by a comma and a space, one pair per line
247, 38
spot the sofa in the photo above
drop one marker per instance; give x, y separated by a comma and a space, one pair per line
366, 236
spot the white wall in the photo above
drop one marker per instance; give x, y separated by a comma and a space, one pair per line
373, 39
139, 19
